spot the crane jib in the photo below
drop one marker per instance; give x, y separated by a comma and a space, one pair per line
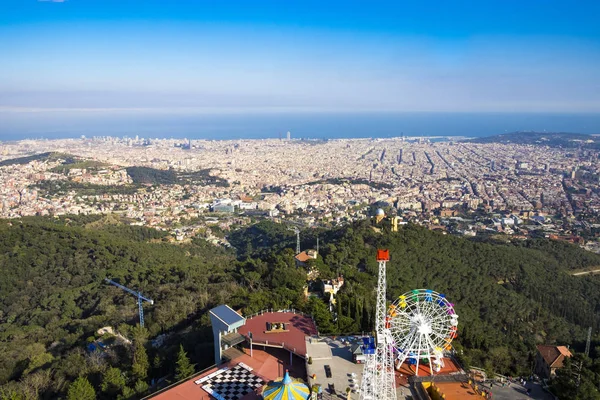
133, 292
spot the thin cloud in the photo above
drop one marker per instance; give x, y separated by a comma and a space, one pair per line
180, 110
51, 1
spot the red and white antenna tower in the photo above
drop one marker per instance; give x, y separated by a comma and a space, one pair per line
378, 380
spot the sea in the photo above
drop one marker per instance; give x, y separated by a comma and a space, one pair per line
65, 124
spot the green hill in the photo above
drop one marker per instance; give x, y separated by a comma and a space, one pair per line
53, 298
147, 175
552, 139
39, 157
509, 296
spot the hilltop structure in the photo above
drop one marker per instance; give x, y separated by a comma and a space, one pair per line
379, 215
303, 257
225, 323
550, 358
255, 349
249, 352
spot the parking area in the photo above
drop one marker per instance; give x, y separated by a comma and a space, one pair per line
335, 356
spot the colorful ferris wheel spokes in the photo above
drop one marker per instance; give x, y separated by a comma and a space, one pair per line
423, 324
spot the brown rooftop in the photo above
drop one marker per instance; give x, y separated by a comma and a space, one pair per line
455, 390
298, 326
268, 365
407, 370
554, 355
303, 257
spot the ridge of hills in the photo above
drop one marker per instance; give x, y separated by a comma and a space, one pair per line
139, 175
552, 139
51, 156
509, 296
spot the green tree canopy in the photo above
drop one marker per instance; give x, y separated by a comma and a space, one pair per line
113, 381
140, 361
81, 389
184, 367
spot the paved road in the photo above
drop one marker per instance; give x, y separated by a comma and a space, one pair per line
519, 392
404, 393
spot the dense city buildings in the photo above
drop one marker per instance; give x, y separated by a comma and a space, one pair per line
463, 187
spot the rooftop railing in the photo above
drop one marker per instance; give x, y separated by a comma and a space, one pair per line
271, 310
290, 310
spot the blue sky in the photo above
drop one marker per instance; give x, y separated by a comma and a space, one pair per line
464, 56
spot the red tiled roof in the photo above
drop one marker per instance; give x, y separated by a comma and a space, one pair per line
448, 368
266, 365
554, 355
303, 257
298, 327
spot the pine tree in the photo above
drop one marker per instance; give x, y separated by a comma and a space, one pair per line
184, 367
140, 362
10, 393
113, 381
366, 318
338, 311
357, 309
81, 389
128, 392
141, 387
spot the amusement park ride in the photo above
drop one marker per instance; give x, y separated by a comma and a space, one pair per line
420, 325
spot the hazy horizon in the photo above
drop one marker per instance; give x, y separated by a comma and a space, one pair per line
316, 125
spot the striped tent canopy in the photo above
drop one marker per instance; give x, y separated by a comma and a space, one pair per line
286, 389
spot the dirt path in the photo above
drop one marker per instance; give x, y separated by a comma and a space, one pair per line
594, 271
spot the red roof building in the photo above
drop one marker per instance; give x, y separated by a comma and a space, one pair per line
277, 339
291, 337
266, 365
303, 257
549, 359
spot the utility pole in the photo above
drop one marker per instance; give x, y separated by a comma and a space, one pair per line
588, 342
297, 231
587, 353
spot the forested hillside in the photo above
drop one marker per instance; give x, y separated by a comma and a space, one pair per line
53, 299
509, 297
38, 157
147, 175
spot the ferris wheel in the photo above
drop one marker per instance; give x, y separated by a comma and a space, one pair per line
422, 324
